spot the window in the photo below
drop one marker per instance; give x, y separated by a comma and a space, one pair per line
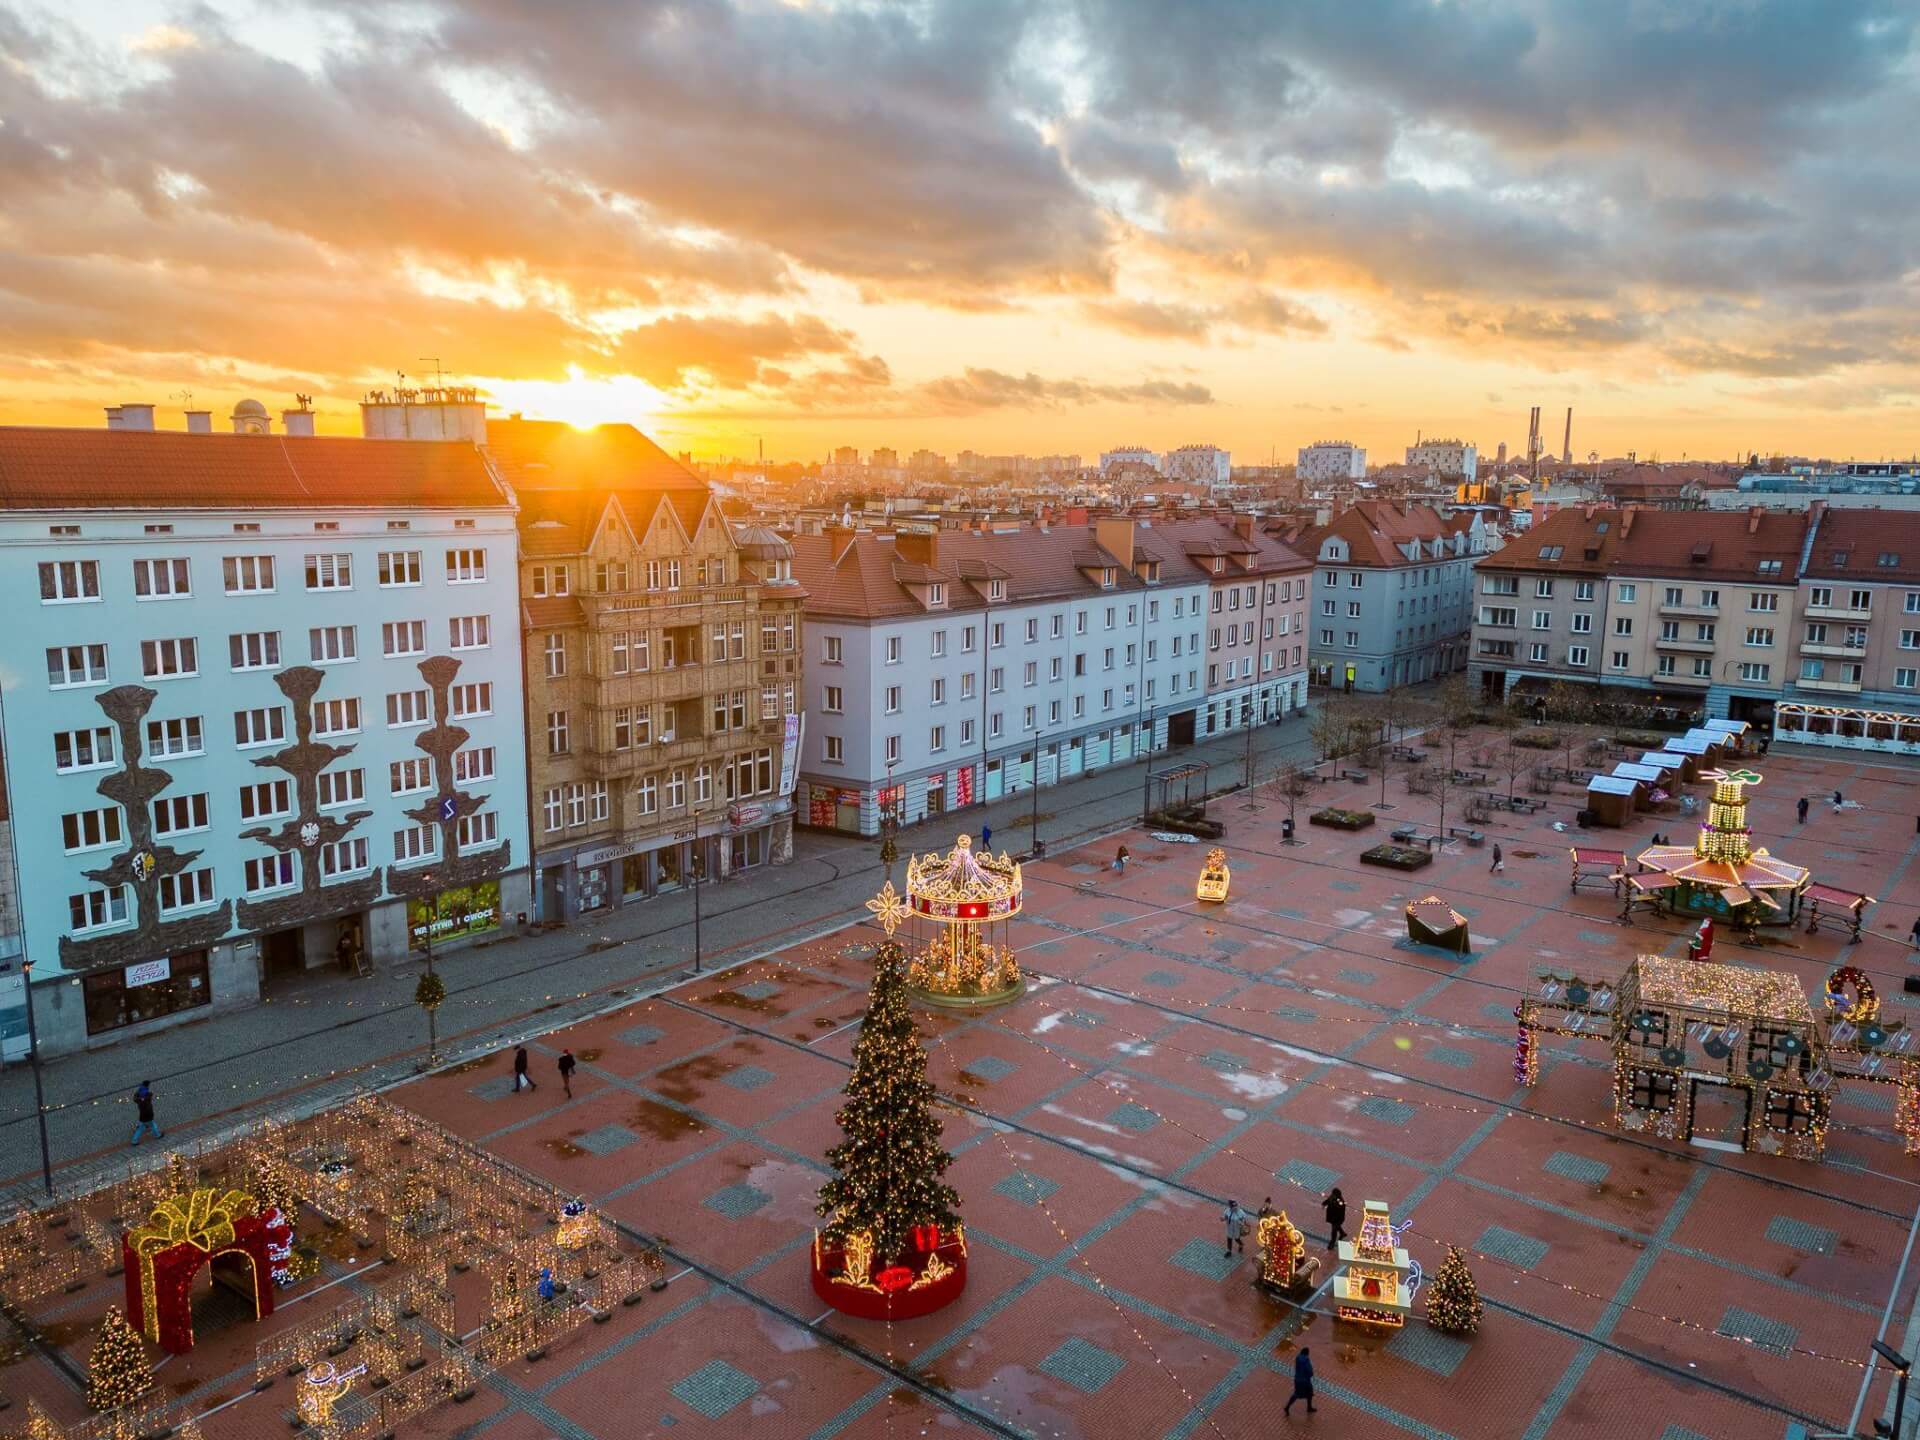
936, 594
1762, 600
556, 656
188, 890
558, 727
1760, 636
469, 632
1913, 602
736, 640
344, 857
1543, 619
75, 665
94, 909
169, 659
834, 752
416, 842
676, 790
407, 707
336, 717
1621, 660
610, 575
1768, 567
90, 829
673, 574
647, 794
178, 814
333, 644
1821, 597
834, 701
482, 828
399, 567
265, 726
1903, 679
160, 580
1583, 589
409, 777
268, 798
330, 572
1583, 622
403, 637
473, 765
1624, 594
1056, 623
937, 692
64, 581
172, 739
997, 677
1753, 672
466, 567
702, 783
1498, 585
893, 650
468, 701
341, 787
1623, 625
1860, 600
83, 749
257, 650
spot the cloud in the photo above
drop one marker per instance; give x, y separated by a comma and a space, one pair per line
977, 389
676, 350
1153, 320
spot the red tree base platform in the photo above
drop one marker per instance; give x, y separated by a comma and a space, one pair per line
905, 1303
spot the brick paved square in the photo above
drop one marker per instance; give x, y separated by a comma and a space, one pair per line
1569, 1166
747, 1077
1680, 1432
497, 1088
606, 1140
737, 1201
1316, 1178
760, 990
1430, 1349
715, 1388
1511, 1246
1083, 1365
991, 1067
1026, 1188
638, 1035
1761, 1330
1392, 1112
1166, 979
1137, 1118
1206, 1258
1223, 1060
1352, 975
1452, 1056
1815, 1239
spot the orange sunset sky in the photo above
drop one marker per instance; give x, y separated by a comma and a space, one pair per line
981, 224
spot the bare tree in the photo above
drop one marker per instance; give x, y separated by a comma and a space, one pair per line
1440, 782
1290, 783
1332, 729
1457, 712
1513, 759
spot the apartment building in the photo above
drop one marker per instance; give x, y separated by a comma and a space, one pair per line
1693, 610
1327, 460
1206, 465
954, 667
1258, 594
663, 670
1446, 459
1392, 594
262, 712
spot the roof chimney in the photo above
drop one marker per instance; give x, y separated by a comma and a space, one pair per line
1754, 512
1114, 534
297, 422
199, 422
1626, 520
130, 417
1243, 526
918, 547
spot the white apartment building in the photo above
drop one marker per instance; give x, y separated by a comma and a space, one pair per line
1130, 455
1446, 459
1206, 465
1328, 460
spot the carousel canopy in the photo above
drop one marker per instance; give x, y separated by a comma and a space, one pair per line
961, 885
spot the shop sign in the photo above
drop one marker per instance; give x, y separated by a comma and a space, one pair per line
149, 973
745, 816
790, 736
455, 913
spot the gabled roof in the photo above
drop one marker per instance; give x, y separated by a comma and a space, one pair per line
1560, 543
1374, 531
1849, 545
54, 469
551, 455
1717, 544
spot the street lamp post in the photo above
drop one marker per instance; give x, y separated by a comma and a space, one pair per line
1034, 844
39, 1096
433, 915
1901, 1366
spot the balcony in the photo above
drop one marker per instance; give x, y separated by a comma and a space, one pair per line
1662, 677
616, 609
1702, 612
1836, 612
679, 682
1841, 687
1837, 652
1677, 642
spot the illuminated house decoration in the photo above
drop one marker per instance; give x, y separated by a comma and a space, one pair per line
1432, 921
1214, 876
1722, 875
223, 1228
1727, 1058
1284, 1262
960, 904
1372, 1287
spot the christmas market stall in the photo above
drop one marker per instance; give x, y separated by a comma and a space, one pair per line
1830, 907
1594, 868
1612, 799
960, 904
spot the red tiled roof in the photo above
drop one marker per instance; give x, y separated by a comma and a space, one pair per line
1850, 544
1722, 544
1375, 529
52, 469
1575, 530
550, 612
550, 455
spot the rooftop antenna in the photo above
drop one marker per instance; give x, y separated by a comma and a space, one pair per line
439, 379
185, 397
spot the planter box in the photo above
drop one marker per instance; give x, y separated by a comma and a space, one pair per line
1537, 740
1398, 857
1335, 819
1202, 828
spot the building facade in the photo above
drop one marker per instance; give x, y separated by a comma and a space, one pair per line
263, 713
663, 671
1130, 455
1206, 465
1329, 460
1446, 459
1392, 594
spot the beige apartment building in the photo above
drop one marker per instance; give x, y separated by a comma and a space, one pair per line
663, 670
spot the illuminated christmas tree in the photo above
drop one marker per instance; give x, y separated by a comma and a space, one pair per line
1453, 1300
887, 1172
117, 1370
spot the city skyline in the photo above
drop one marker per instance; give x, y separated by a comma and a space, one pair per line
1005, 227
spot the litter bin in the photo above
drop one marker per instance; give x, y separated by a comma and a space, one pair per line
1286, 828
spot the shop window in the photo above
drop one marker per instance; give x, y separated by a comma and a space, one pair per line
1792, 1112
134, 994
1653, 1091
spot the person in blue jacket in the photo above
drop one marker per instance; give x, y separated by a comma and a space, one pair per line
1302, 1381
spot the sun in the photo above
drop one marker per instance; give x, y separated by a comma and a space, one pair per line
582, 400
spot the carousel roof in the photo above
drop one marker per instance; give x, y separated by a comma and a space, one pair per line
1759, 872
962, 877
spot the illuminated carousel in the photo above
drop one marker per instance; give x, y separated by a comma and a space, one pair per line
959, 904
1722, 875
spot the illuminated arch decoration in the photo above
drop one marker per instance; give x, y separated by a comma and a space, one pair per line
201, 1227
1851, 996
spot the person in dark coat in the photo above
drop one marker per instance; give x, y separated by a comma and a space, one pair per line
986, 839
567, 1063
143, 1109
1335, 1208
521, 1079
1803, 809
1916, 934
1499, 860
1302, 1381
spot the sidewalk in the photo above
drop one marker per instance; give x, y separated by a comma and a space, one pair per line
333, 1033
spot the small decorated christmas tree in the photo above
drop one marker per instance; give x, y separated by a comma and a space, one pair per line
887, 1173
117, 1370
1453, 1300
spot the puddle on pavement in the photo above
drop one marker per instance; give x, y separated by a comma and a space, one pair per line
564, 1147
682, 1082
662, 1122
587, 1057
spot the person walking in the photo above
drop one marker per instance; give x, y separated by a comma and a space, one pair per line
1802, 807
1302, 1381
986, 839
1499, 860
143, 1108
1120, 858
521, 1079
566, 1071
1916, 933
1236, 1220
1839, 802
1335, 1209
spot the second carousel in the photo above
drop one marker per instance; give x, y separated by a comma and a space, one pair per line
958, 905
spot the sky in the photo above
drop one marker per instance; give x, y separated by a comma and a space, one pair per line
1006, 225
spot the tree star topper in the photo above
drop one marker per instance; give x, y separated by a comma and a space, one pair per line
889, 908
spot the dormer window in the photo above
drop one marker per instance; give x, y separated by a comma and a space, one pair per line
996, 589
1106, 578
936, 595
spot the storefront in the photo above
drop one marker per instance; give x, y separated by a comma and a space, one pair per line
456, 913
153, 989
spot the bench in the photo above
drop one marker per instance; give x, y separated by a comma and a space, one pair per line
1358, 777
1470, 777
1411, 756
1472, 837
1407, 834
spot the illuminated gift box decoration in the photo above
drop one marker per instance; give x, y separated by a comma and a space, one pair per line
223, 1228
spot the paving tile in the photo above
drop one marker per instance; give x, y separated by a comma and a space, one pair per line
1026, 1188
1223, 1060
497, 1088
1085, 1019
1393, 1112
606, 1140
1450, 1055
736, 1201
1761, 1330
640, 1035
1297, 1013
715, 1388
1205, 1258
1814, 1239
1137, 1118
747, 1077
1599, 937
1576, 1167
1083, 1365
1502, 1013
1511, 1246
1167, 978
760, 990
1430, 1349
1680, 1432
1353, 975
990, 1067
1345, 887
1316, 1178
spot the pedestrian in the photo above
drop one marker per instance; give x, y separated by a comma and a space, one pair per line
1236, 1220
986, 839
1120, 858
566, 1071
1765, 741
1838, 801
1302, 1381
1266, 1209
520, 1076
143, 1108
1803, 809
1499, 860
1335, 1209
1916, 934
